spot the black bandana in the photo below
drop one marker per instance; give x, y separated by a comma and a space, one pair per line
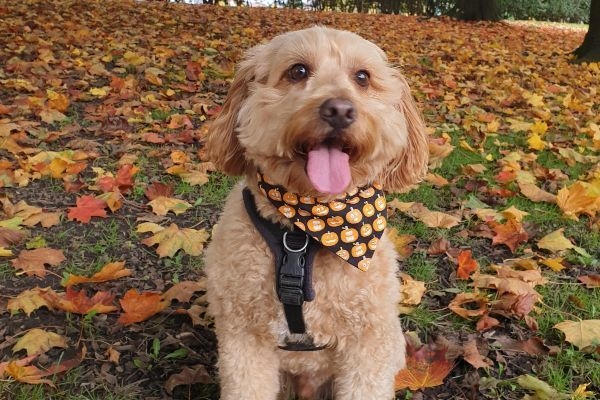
349, 226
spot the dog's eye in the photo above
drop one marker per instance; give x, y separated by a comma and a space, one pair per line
298, 72
362, 78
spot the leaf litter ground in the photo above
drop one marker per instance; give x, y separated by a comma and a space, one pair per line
114, 84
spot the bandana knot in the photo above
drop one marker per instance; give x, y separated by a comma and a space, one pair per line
350, 225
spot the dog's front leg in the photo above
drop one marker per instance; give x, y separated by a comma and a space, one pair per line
248, 367
366, 368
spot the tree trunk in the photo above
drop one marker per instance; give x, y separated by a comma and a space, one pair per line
478, 10
590, 48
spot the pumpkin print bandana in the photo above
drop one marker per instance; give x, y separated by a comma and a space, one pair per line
349, 226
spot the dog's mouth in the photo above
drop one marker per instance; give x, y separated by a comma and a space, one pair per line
328, 166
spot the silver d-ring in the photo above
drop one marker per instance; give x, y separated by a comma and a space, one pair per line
294, 250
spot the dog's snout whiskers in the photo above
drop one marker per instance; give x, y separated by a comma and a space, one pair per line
338, 113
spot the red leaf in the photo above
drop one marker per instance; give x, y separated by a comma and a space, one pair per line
158, 189
466, 265
87, 207
140, 306
425, 367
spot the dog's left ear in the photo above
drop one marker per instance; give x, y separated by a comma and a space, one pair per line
224, 148
411, 164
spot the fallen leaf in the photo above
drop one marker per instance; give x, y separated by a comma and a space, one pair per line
188, 376
172, 239
472, 356
162, 205
401, 243
583, 334
425, 367
139, 307
590, 281
534, 193
466, 264
511, 234
158, 189
110, 271
32, 262
78, 302
542, 390
575, 200
555, 263
555, 241
480, 300
29, 301
37, 341
87, 207
183, 291
411, 291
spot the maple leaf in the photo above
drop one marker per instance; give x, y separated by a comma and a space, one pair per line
590, 281
172, 239
466, 264
87, 207
425, 367
122, 182
32, 262
433, 219
486, 322
534, 193
26, 374
11, 237
439, 246
37, 341
30, 300
193, 176
472, 355
583, 334
401, 243
139, 307
555, 241
78, 302
575, 200
555, 263
511, 234
110, 271
162, 205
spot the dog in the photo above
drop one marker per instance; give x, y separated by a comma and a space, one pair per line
320, 115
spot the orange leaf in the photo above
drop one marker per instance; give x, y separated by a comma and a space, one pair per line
575, 200
123, 182
425, 367
480, 300
26, 374
140, 306
158, 189
466, 264
511, 234
486, 322
590, 281
77, 302
87, 207
109, 272
32, 261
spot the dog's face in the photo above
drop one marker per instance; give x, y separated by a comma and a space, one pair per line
320, 111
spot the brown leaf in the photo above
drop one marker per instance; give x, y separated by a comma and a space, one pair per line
480, 300
32, 261
37, 341
78, 302
486, 323
183, 291
472, 356
511, 234
30, 300
438, 247
583, 334
11, 237
188, 376
158, 189
590, 281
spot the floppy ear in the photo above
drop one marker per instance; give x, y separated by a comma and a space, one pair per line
223, 146
411, 164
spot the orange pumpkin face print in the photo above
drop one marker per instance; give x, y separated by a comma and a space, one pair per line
320, 210
354, 216
329, 239
274, 194
380, 203
349, 235
290, 198
315, 225
379, 224
359, 249
349, 226
287, 211
335, 221
368, 209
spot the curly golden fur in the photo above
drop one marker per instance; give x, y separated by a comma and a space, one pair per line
269, 122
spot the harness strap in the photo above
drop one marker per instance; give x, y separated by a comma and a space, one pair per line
294, 253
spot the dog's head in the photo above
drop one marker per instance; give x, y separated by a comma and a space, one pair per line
319, 111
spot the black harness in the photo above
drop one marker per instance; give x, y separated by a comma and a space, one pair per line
294, 253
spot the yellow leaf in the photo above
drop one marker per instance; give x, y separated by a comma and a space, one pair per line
555, 264
411, 291
539, 128
465, 145
162, 205
583, 333
39, 341
513, 212
129, 57
575, 200
172, 239
535, 142
99, 92
29, 301
145, 227
555, 241
5, 252
110, 271
534, 193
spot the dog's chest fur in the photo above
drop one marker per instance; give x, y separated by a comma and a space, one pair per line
347, 300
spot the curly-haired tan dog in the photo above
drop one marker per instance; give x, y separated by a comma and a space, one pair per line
321, 113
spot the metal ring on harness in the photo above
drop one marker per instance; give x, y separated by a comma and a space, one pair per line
294, 250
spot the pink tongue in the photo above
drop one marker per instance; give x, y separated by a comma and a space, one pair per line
328, 169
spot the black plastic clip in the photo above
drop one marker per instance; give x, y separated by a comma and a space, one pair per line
291, 272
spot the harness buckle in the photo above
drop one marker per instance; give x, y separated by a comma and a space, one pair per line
291, 272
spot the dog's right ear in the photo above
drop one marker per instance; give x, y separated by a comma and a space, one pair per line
223, 147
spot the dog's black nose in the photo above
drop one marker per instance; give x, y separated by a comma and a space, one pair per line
339, 113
